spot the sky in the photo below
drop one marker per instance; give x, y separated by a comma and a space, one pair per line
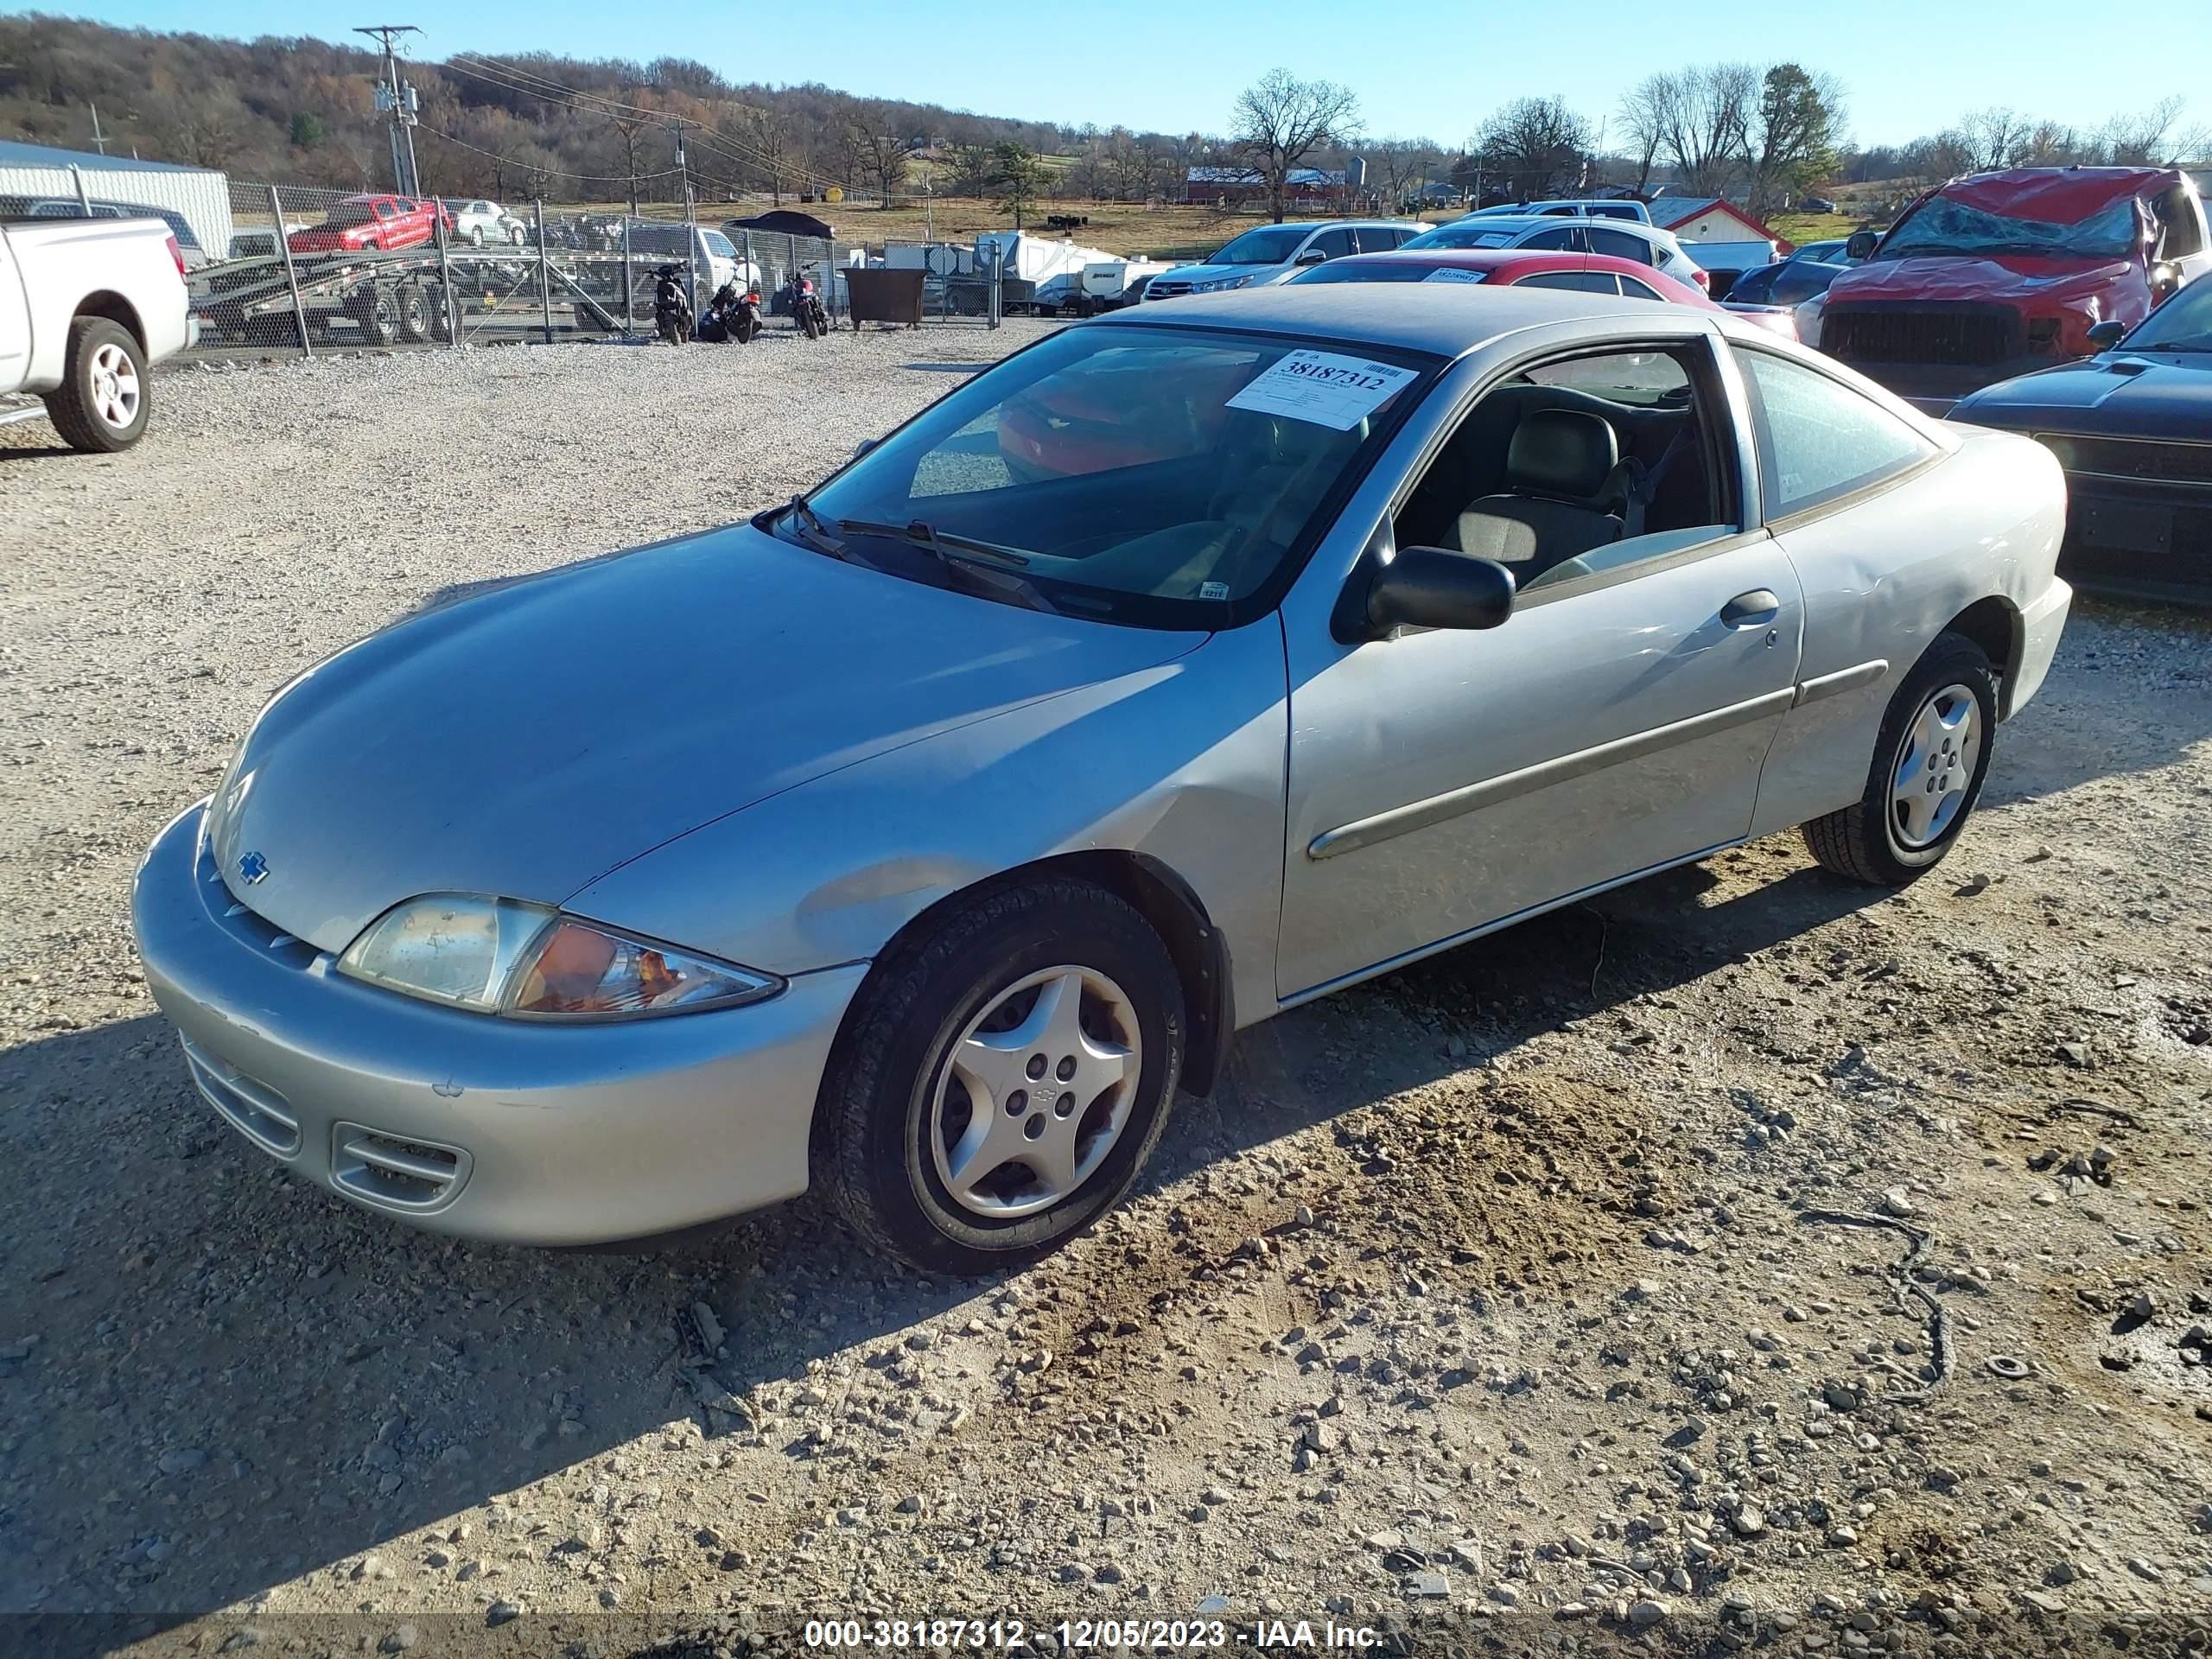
1430, 68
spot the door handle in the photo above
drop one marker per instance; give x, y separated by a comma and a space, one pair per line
1752, 610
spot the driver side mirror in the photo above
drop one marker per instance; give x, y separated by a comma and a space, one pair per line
1861, 245
1427, 587
1311, 257
2107, 334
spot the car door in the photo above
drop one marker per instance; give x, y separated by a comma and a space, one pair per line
1443, 782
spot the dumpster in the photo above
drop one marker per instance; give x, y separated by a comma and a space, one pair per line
885, 296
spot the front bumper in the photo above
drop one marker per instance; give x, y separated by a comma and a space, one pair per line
2041, 624
2141, 539
520, 1132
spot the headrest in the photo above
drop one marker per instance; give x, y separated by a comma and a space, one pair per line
1561, 452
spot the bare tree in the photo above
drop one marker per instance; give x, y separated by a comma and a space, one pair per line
2139, 140
1704, 116
1280, 120
1644, 112
630, 128
1404, 165
1535, 147
882, 145
1991, 138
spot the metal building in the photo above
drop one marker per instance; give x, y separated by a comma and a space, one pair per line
38, 179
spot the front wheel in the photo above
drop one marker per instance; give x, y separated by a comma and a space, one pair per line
476, 236
1000, 1081
1930, 759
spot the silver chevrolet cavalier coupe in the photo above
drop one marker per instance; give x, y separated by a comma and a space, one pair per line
915, 841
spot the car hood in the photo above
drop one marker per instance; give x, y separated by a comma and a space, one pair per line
2142, 394
1940, 278
526, 740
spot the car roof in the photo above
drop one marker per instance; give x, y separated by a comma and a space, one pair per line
1671, 288
1442, 319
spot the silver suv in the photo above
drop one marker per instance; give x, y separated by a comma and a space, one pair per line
1274, 253
1622, 238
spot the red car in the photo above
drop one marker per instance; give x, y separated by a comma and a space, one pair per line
1594, 273
371, 224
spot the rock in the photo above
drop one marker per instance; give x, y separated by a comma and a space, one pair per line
500, 1611
1429, 1586
1572, 1610
2143, 1569
2074, 1055
1644, 1614
438, 1558
2042, 1602
1897, 1202
399, 1641
1749, 1520
710, 1328
1321, 1438
246, 1636
1302, 1217
183, 1460
1841, 1536
910, 1504
1504, 1594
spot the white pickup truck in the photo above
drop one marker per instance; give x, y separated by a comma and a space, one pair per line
86, 305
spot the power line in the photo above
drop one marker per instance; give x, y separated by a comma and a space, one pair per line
549, 172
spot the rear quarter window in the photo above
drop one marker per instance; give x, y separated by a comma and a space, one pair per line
1818, 439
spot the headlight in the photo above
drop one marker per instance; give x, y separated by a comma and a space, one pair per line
1220, 284
497, 955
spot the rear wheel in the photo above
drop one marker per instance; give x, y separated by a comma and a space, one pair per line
412, 313
375, 314
1000, 1081
103, 401
1931, 758
476, 236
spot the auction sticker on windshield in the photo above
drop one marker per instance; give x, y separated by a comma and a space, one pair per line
1452, 274
1323, 387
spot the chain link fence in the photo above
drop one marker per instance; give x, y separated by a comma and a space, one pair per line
308, 270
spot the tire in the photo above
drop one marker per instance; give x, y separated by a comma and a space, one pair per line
105, 396
476, 236
895, 1113
413, 315
1895, 833
516, 235
376, 314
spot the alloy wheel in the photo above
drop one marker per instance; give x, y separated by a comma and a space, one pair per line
1036, 1092
116, 388
1935, 767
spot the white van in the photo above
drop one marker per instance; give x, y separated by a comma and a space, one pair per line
712, 256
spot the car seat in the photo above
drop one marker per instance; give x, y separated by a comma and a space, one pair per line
1566, 492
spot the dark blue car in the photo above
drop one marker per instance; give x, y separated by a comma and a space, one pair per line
2132, 427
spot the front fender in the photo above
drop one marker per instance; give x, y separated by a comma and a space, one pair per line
1183, 763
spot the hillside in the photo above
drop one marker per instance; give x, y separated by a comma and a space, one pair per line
304, 111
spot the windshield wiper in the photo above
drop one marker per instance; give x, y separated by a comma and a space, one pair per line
925, 535
980, 566
807, 525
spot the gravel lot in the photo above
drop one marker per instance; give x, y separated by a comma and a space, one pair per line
1487, 1295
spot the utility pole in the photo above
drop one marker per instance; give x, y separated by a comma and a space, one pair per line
99, 138
397, 99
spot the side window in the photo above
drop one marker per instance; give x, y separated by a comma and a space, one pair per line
1581, 465
1377, 238
1567, 238
1583, 282
1818, 440
1631, 288
1334, 244
2178, 218
385, 210
1619, 243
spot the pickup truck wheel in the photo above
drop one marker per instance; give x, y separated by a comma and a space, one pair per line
476, 236
104, 399
1930, 759
1001, 1079
516, 235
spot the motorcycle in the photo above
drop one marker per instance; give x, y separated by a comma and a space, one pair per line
732, 315
671, 306
807, 309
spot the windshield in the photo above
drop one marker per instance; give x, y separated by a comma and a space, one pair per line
1943, 226
719, 245
1270, 245
1141, 474
1462, 234
2183, 323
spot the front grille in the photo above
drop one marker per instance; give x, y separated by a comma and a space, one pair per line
254, 1109
2152, 460
1157, 290
1963, 335
394, 1172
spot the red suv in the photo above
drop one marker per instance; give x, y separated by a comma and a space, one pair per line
371, 224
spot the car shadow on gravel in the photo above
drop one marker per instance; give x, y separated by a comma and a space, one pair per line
235, 1379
